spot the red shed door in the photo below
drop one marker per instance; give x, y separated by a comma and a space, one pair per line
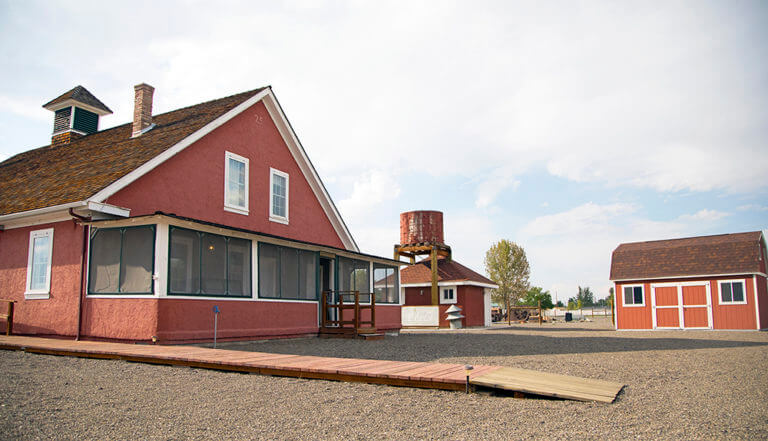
695, 306
666, 307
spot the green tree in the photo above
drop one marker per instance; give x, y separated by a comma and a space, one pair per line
585, 297
507, 266
535, 294
560, 304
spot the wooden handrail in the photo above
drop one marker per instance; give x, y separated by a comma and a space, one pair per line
340, 307
8, 317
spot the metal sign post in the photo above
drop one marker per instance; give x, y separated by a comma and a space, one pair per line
215, 324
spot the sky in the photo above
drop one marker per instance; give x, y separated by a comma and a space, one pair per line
566, 127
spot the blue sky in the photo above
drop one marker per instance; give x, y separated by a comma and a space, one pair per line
568, 127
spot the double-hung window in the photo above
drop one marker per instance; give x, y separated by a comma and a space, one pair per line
278, 196
732, 292
633, 295
236, 183
39, 264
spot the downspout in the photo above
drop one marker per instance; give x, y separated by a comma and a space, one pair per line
82, 269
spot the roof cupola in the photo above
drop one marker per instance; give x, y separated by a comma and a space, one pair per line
76, 114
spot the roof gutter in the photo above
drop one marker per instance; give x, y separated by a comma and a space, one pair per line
57, 213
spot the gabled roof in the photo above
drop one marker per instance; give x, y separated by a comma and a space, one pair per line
447, 271
737, 253
92, 168
81, 95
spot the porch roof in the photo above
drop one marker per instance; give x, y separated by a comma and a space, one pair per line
321, 247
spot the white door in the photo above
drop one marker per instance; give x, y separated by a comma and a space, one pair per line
487, 306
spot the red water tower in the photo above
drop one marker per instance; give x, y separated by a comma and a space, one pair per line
421, 233
422, 226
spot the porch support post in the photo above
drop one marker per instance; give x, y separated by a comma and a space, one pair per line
435, 299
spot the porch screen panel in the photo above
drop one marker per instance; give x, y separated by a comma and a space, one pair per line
207, 264
289, 273
104, 271
269, 282
184, 269
354, 276
308, 274
122, 260
385, 284
213, 269
239, 268
137, 260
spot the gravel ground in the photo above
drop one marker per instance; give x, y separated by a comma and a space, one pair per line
680, 385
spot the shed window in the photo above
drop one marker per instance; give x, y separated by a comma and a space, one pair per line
633, 295
448, 295
122, 260
39, 264
354, 276
236, 183
278, 196
287, 273
385, 284
205, 264
732, 292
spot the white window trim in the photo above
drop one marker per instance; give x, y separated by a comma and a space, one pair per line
633, 305
445, 301
731, 281
31, 294
272, 216
227, 206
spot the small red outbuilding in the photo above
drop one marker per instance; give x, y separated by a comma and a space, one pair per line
707, 282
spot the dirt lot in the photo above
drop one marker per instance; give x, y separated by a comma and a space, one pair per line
680, 385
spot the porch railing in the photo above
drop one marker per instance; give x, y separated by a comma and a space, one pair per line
335, 301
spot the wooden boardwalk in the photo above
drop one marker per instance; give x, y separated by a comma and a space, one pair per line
396, 373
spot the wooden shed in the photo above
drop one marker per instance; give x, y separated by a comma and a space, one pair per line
707, 282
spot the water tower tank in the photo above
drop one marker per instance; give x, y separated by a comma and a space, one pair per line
421, 226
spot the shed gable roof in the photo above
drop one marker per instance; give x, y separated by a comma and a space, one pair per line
453, 271
737, 253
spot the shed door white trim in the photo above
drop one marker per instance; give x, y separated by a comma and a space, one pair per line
680, 304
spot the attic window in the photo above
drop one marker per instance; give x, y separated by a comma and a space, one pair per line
236, 183
278, 196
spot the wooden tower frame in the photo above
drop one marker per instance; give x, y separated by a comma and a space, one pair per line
425, 248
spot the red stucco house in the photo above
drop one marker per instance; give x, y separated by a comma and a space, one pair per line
138, 231
708, 282
457, 285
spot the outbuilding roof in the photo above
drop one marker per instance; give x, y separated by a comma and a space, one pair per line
738, 253
50, 176
452, 271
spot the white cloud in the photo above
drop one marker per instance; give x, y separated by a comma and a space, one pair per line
493, 185
704, 215
573, 248
752, 207
369, 190
584, 218
26, 107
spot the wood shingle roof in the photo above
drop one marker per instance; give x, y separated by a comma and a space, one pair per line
50, 176
453, 271
737, 253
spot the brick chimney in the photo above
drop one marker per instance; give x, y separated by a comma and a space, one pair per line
142, 109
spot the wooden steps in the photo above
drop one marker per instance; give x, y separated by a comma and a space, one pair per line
444, 376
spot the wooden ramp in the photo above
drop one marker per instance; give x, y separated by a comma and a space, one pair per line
396, 373
550, 385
